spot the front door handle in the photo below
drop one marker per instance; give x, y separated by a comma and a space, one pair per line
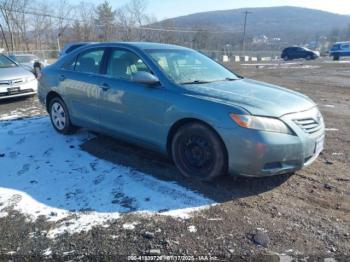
62, 77
105, 87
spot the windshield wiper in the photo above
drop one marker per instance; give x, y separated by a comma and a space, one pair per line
231, 79
195, 82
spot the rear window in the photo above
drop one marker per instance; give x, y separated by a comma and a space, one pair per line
72, 48
345, 46
25, 59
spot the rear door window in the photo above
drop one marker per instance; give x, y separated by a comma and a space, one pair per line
90, 61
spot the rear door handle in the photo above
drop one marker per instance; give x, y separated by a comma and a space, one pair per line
105, 87
62, 77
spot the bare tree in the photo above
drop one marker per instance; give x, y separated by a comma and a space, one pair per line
125, 23
41, 26
137, 13
63, 12
83, 28
6, 8
131, 18
19, 20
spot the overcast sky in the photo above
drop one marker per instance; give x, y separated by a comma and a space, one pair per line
172, 8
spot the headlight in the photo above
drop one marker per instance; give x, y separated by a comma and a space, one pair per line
261, 123
29, 79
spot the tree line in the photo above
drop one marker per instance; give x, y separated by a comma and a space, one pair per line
48, 25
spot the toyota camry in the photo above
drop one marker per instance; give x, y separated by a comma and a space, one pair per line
207, 119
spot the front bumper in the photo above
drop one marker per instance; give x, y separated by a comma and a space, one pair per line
24, 89
259, 153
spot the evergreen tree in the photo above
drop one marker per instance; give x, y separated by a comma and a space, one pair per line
105, 21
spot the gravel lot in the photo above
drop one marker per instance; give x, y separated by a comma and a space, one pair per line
305, 214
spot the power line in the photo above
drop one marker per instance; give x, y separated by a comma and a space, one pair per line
155, 29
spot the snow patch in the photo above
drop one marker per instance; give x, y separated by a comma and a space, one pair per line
3, 214
21, 113
130, 226
46, 174
47, 252
192, 229
331, 129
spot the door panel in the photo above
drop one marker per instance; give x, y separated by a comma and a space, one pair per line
300, 53
128, 108
81, 85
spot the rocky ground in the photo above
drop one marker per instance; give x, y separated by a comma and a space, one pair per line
270, 219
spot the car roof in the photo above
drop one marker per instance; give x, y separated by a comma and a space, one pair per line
151, 45
340, 43
141, 45
78, 43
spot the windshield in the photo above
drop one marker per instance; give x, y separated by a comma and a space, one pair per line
6, 62
189, 67
25, 59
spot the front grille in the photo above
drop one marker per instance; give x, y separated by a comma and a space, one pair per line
17, 93
11, 82
309, 125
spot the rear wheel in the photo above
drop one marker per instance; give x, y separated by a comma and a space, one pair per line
60, 117
286, 58
198, 152
336, 57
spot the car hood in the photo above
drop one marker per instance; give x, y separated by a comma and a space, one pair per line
256, 97
14, 73
28, 66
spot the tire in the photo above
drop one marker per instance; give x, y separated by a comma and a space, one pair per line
336, 58
198, 152
286, 58
308, 57
60, 117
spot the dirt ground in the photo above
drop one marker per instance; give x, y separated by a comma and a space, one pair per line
268, 219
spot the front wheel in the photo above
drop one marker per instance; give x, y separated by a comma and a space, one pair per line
336, 58
286, 58
60, 117
199, 152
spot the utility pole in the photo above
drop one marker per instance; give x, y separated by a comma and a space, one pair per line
246, 13
4, 36
58, 42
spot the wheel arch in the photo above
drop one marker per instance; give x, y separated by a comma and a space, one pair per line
184, 121
49, 97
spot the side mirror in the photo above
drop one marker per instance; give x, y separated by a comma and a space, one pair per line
145, 78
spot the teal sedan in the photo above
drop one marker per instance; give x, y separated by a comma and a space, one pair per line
207, 119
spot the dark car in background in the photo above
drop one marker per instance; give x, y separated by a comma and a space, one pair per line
340, 49
68, 48
291, 53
